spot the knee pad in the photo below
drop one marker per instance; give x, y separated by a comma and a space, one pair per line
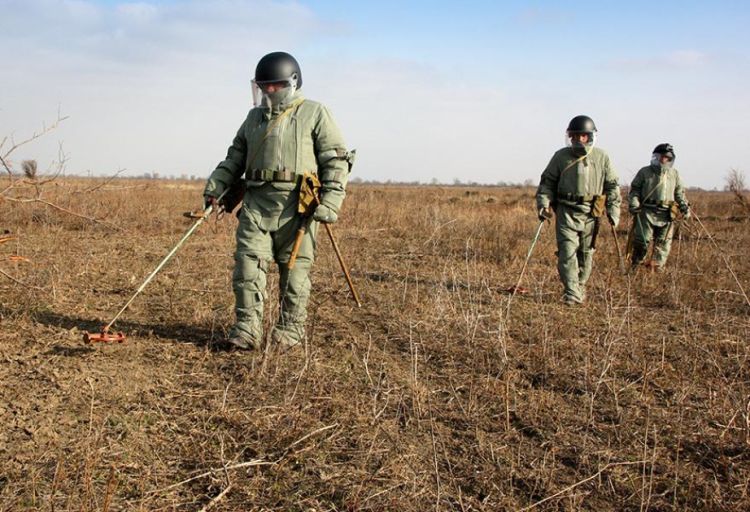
249, 272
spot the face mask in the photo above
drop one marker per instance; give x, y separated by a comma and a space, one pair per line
656, 162
578, 148
278, 98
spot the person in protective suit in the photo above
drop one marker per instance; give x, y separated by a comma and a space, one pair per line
283, 136
580, 186
656, 199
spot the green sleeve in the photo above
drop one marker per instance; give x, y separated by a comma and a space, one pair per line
546, 193
679, 194
612, 190
231, 168
333, 160
636, 191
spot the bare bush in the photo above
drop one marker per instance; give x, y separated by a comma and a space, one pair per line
736, 184
32, 187
735, 181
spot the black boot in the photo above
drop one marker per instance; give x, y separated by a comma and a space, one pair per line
639, 254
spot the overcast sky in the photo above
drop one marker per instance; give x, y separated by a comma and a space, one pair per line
476, 91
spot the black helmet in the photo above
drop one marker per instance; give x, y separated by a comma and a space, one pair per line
278, 67
665, 149
581, 124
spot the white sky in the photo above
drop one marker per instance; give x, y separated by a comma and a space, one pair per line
481, 93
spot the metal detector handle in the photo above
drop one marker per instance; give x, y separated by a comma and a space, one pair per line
304, 224
595, 233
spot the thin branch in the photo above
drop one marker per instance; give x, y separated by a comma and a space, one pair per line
15, 145
571, 487
33, 137
92, 219
25, 285
254, 462
12, 278
62, 159
7, 168
322, 429
102, 184
65, 210
216, 499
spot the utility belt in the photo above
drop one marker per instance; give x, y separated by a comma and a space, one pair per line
597, 202
587, 199
273, 175
659, 205
662, 207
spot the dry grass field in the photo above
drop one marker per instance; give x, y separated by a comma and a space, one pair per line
426, 398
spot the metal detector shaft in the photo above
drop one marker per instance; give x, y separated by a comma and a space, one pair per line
525, 264
338, 255
206, 213
343, 265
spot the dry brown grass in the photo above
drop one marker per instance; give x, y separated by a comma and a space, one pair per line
426, 399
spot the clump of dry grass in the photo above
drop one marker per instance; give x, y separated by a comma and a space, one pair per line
426, 398
29, 168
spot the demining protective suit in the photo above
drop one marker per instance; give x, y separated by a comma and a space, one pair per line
279, 140
656, 196
580, 185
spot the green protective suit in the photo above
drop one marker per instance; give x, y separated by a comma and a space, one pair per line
653, 192
569, 185
272, 149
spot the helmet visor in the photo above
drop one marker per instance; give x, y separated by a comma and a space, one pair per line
275, 94
257, 94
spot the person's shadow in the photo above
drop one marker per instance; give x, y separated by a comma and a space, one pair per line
181, 333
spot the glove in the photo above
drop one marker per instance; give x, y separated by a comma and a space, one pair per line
210, 201
545, 213
325, 214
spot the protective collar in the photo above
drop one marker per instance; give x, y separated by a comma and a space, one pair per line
285, 103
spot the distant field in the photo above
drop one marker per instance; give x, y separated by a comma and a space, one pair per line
424, 399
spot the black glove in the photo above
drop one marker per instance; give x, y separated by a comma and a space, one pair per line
545, 213
210, 201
